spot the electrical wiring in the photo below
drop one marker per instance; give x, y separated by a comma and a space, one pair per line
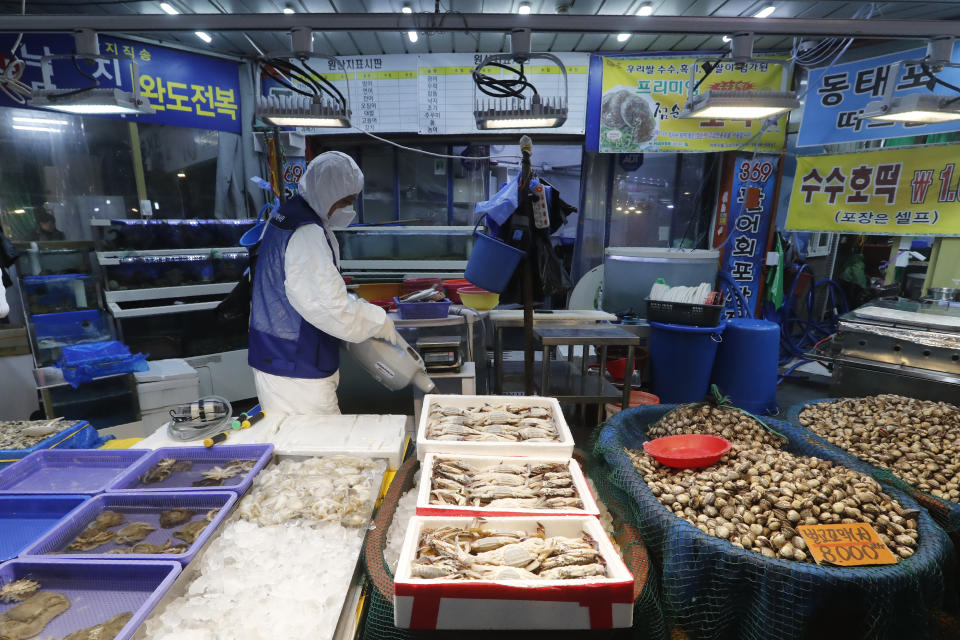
505, 88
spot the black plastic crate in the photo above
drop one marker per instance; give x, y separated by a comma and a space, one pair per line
698, 315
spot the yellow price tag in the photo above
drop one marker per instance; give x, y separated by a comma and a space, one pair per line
845, 545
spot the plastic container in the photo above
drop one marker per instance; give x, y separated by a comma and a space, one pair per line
637, 399
561, 448
97, 590
137, 507
426, 508
746, 365
70, 326
65, 471
422, 310
477, 298
688, 450
412, 285
629, 273
24, 519
698, 315
452, 287
66, 439
203, 459
387, 304
682, 359
167, 383
379, 290
491, 263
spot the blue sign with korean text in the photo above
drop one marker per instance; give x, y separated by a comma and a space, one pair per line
837, 95
185, 89
751, 212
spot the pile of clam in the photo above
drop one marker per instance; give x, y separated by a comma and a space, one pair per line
726, 422
757, 496
918, 440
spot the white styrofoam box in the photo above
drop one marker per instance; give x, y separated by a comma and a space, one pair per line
585, 603
161, 370
366, 436
166, 384
154, 419
424, 508
562, 448
262, 432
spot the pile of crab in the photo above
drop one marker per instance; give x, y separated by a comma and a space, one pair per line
481, 553
492, 423
546, 485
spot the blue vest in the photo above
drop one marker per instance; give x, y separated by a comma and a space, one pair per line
282, 343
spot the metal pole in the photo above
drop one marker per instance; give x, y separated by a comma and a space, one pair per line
526, 149
495, 22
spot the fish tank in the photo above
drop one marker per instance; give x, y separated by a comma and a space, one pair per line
405, 243
53, 331
146, 272
60, 293
181, 335
230, 265
53, 262
151, 235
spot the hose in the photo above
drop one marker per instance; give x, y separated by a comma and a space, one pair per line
190, 422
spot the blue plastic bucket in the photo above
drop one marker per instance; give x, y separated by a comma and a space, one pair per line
491, 263
682, 358
746, 364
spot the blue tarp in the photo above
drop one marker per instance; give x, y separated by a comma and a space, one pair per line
83, 362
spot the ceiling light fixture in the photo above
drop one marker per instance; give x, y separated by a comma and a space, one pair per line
927, 108
19, 210
413, 36
27, 127
715, 104
289, 10
726, 38
765, 12
92, 99
181, 174
509, 107
406, 9
646, 9
524, 9
203, 35
169, 9
623, 37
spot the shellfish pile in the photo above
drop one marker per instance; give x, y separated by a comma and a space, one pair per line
506, 485
334, 489
916, 439
757, 496
482, 553
111, 527
23, 434
726, 422
492, 423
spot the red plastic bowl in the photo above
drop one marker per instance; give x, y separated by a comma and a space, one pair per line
687, 451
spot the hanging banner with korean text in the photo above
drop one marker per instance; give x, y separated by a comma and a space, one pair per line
185, 89
837, 95
641, 100
897, 191
744, 226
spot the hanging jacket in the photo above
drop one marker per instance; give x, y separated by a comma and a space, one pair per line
282, 342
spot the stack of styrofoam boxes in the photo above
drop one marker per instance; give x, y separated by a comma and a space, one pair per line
165, 385
440, 603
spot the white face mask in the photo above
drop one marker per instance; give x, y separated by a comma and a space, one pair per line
343, 216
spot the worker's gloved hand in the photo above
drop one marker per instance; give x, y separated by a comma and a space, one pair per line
388, 332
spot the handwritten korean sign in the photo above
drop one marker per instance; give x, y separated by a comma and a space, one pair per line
897, 191
185, 89
837, 95
845, 545
642, 99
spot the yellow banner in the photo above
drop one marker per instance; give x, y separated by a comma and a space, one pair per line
643, 97
896, 191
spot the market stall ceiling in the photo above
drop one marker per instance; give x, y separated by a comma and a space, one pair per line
375, 43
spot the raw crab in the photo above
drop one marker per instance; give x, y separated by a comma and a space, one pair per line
18, 590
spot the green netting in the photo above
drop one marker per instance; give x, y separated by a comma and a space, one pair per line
647, 621
944, 512
710, 589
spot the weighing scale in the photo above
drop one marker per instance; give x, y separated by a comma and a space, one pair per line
440, 353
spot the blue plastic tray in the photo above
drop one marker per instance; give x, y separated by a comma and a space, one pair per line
97, 590
24, 519
67, 471
203, 459
422, 310
63, 439
137, 507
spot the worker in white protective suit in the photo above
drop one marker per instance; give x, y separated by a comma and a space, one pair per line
300, 310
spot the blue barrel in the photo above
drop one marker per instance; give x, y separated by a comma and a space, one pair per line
682, 358
746, 365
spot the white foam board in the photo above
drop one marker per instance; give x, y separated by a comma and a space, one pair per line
369, 436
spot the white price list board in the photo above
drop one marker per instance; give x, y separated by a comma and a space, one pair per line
383, 91
446, 90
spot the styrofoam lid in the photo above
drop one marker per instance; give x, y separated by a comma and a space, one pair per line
663, 252
165, 370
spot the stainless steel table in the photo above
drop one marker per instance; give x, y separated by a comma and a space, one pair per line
580, 389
